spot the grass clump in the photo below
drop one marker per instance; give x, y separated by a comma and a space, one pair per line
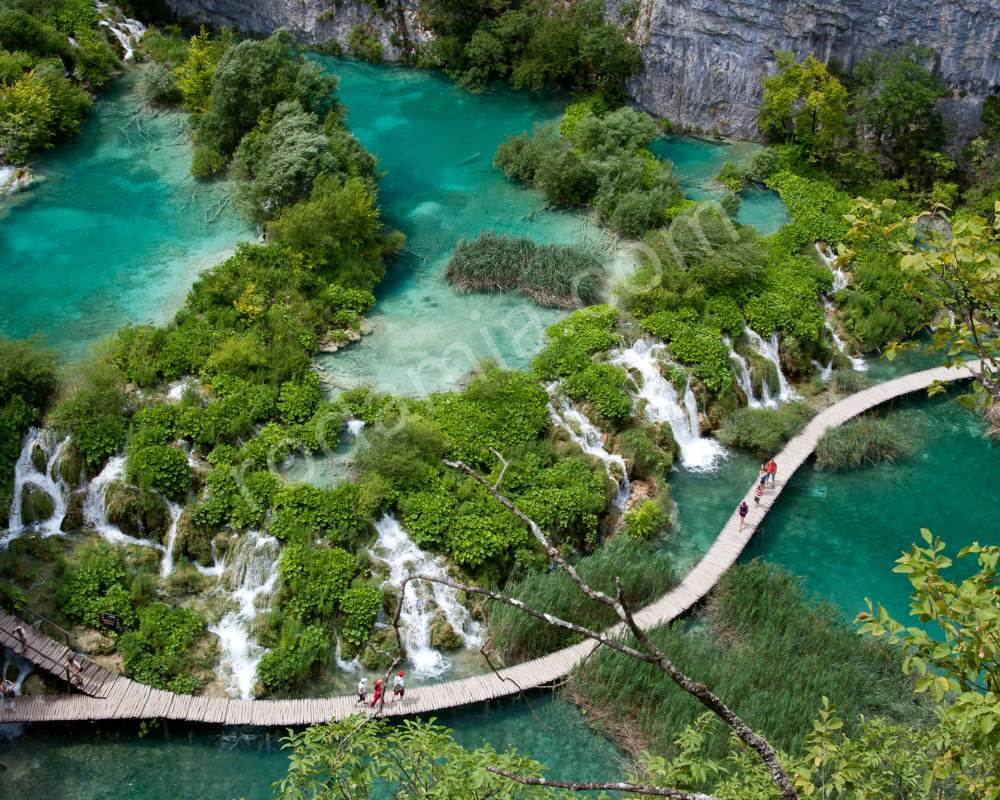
646, 573
862, 442
766, 648
764, 431
554, 275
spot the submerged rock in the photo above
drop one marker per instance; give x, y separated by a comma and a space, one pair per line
36, 505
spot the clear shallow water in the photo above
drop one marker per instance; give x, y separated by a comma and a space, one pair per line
172, 762
698, 161
115, 231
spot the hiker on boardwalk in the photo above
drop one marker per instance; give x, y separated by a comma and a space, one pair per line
758, 492
377, 694
743, 510
22, 641
9, 691
75, 671
398, 687
762, 475
772, 470
362, 690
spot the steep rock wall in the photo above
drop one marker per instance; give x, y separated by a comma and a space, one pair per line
705, 59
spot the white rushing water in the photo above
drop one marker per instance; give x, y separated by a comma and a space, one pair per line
167, 562
589, 439
857, 362
663, 404
828, 257
128, 32
48, 481
401, 555
95, 513
11, 662
250, 573
769, 349
741, 370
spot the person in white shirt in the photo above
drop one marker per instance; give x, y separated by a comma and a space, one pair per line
398, 687
362, 690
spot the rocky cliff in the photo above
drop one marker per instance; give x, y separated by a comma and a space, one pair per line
704, 58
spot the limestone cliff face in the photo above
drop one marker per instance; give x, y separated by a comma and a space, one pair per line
704, 58
315, 21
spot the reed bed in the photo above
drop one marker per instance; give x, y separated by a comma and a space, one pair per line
863, 442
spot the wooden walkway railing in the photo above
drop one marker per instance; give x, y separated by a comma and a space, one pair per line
106, 696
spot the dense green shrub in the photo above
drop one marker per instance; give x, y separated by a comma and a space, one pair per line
158, 652
862, 442
604, 388
160, 467
570, 343
95, 582
360, 606
532, 44
646, 520
364, 44
299, 653
645, 457
764, 431
645, 573
92, 410
314, 580
758, 617
300, 509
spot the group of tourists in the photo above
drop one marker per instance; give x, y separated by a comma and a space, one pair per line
767, 475
398, 690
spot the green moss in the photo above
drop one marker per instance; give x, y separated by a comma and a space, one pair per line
604, 388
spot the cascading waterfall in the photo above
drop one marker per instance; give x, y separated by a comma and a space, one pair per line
828, 257
251, 569
698, 453
167, 562
769, 350
401, 555
857, 362
12, 730
95, 505
128, 32
589, 439
26, 473
741, 370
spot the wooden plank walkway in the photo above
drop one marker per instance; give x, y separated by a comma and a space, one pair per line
105, 695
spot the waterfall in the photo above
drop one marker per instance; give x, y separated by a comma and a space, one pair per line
12, 730
769, 350
857, 362
825, 373
403, 558
26, 473
698, 453
589, 438
741, 370
251, 570
95, 511
167, 562
355, 426
828, 257
127, 32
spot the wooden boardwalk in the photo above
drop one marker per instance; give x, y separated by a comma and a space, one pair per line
107, 696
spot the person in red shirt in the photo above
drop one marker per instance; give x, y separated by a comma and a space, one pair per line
772, 470
377, 695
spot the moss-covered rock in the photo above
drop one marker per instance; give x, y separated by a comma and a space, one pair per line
38, 459
137, 512
74, 519
381, 650
443, 635
70, 467
36, 505
192, 540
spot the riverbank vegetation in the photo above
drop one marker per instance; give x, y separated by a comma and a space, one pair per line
53, 57
862, 442
554, 275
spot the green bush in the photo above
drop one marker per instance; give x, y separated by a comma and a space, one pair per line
300, 651
645, 458
570, 343
158, 653
764, 431
300, 510
92, 410
97, 581
862, 442
162, 468
360, 606
604, 388
158, 86
314, 580
364, 44
646, 573
646, 520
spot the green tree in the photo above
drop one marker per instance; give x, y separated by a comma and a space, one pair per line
806, 105
896, 100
